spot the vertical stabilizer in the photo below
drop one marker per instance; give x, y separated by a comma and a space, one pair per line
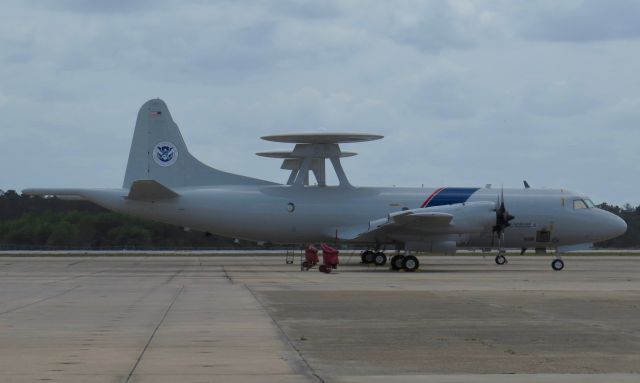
159, 153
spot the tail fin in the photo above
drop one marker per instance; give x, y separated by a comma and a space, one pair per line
159, 153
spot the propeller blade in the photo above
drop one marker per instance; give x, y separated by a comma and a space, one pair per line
502, 219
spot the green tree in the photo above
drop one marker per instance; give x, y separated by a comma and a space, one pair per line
63, 234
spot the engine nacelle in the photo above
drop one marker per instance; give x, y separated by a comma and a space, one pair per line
470, 217
436, 246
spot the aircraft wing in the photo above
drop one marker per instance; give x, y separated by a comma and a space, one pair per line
450, 219
408, 220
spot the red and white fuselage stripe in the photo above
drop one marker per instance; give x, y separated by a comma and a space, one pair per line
435, 193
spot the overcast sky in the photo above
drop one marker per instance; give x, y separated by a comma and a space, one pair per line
466, 93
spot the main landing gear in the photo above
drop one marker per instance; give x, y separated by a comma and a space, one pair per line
398, 262
377, 257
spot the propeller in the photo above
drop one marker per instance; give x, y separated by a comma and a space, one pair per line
502, 220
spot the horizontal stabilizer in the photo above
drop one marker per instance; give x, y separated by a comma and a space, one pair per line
148, 190
66, 194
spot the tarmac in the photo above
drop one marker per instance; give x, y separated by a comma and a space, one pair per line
257, 319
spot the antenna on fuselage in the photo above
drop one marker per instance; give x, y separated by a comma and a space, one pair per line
311, 152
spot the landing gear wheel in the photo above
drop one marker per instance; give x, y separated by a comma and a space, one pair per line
557, 264
500, 259
324, 269
396, 262
306, 265
366, 255
380, 259
410, 263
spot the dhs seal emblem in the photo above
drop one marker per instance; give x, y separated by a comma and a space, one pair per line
165, 153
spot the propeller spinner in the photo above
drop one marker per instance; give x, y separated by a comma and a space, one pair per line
502, 219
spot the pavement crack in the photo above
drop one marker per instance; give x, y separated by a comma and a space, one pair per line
153, 334
80, 261
173, 276
226, 275
309, 370
38, 301
79, 276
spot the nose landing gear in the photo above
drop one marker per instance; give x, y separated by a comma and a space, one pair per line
501, 259
557, 264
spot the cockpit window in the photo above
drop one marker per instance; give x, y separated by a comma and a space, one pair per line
579, 204
589, 203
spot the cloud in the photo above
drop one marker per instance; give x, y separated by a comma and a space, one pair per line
583, 21
466, 93
100, 7
431, 28
559, 98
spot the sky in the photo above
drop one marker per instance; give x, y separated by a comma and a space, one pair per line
466, 93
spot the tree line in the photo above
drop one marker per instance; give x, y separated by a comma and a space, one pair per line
35, 222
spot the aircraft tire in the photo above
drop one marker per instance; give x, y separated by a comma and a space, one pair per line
500, 259
306, 265
367, 256
380, 259
324, 269
557, 264
396, 262
410, 263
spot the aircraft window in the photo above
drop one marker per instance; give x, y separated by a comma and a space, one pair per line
589, 203
579, 204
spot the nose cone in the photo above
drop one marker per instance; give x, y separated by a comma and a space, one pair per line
613, 226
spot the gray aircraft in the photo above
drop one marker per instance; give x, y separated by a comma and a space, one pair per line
164, 182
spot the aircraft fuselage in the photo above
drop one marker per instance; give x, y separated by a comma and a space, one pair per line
289, 214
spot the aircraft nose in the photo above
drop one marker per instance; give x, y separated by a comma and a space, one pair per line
613, 226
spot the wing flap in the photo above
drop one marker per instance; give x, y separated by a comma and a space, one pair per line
422, 219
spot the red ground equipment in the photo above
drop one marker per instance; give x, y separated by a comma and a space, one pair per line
310, 258
330, 258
